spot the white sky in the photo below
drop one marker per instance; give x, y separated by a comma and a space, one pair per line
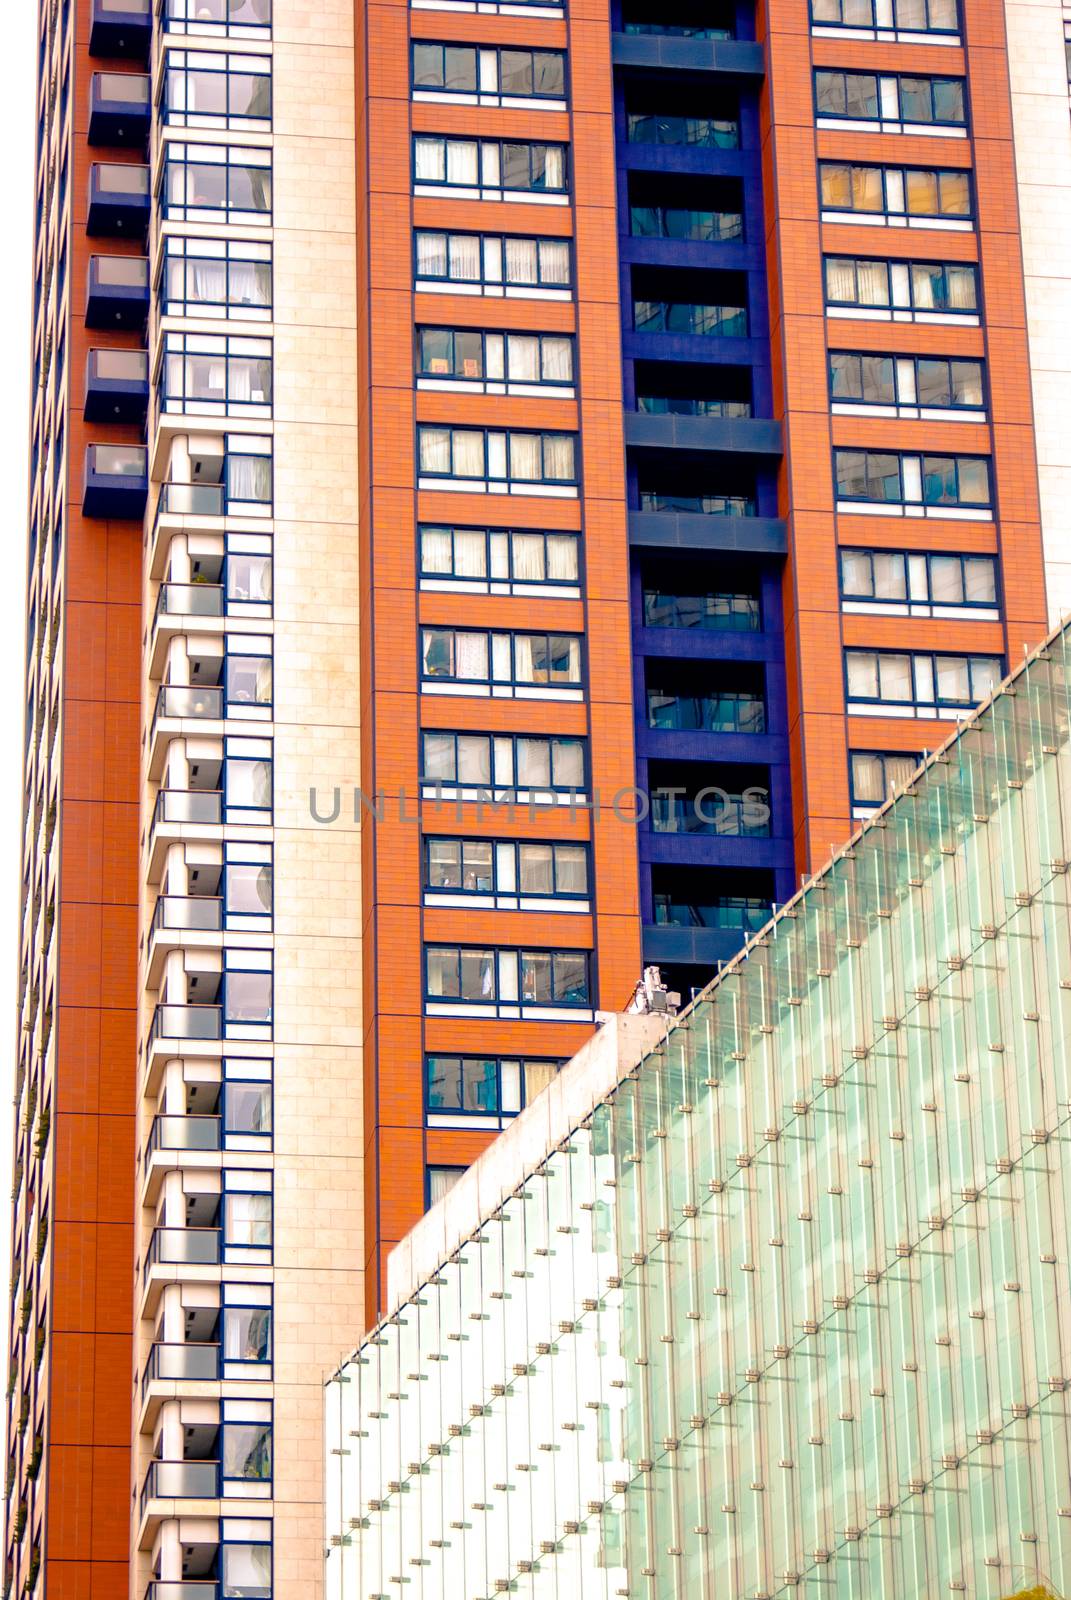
17, 125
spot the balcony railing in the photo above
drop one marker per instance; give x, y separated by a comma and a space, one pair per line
716, 613
679, 222
678, 30
190, 700
192, 499
178, 1363
189, 600
183, 1247
678, 316
118, 292
702, 505
187, 913
690, 406
120, 28
183, 1589
728, 712
188, 805
739, 914
709, 133
172, 1131
181, 1480
171, 1021
725, 816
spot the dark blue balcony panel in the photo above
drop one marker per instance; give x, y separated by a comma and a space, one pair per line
119, 109
118, 292
117, 385
672, 744
657, 52
703, 644
118, 201
691, 530
669, 946
741, 435
120, 28
697, 850
116, 482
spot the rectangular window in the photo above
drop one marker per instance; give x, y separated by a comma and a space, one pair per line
877, 775
918, 683
503, 361
888, 98
938, 195
507, 763
207, 90
216, 278
520, 660
928, 485
242, 17
904, 16
506, 982
497, 260
923, 287
671, 316
911, 384
519, 462
218, 374
201, 181
512, 166
496, 75
247, 678
483, 1086
922, 582
440, 1181
493, 558
505, 867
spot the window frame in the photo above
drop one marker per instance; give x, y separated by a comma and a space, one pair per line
443, 1116
481, 382
503, 958
494, 684
959, 220
529, 193
898, 405
989, 609
490, 582
926, 706
518, 895
915, 504
487, 76
487, 246
880, 29
869, 806
876, 309
178, 346
179, 63
563, 487
179, 159
176, 251
565, 794
896, 81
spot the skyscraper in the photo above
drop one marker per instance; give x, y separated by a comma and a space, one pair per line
601, 435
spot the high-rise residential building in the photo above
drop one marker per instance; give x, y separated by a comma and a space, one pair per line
511, 482
769, 1299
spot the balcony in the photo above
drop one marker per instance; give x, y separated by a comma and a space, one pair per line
733, 913
727, 817
679, 317
181, 1363
120, 106
672, 430
708, 612
186, 913
183, 1023
183, 1589
117, 385
120, 28
118, 292
728, 711
183, 1247
182, 1132
119, 203
116, 481
700, 132
656, 47
185, 600
176, 807
182, 701
181, 1480
683, 222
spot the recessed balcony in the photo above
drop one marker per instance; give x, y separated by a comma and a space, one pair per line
119, 202
178, 807
120, 28
118, 293
186, 1024
183, 1589
183, 1247
181, 1363
120, 105
116, 481
181, 1132
117, 385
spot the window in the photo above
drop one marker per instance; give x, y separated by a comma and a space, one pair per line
247, 1451
247, 678
495, 259
509, 359
215, 278
935, 485
510, 982
218, 16
246, 1567
946, 288
910, 579
877, 775
906, 16
489, 456
512, 166
708, 133
247, 1107
920, 684
483, 1086
506, 867
247, 990
506, 763
247, 780
521, 659
870, 97
493, 74
440, 1181
670, 316
492, 557
942, 195
246, 1333
204, 90
216, 374
213, 178
247, 1219
918, 383
247, 884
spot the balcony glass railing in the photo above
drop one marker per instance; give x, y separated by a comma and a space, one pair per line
678, 316
679, 30
192, 499
183, 1589
710, 133
189, 600
653, 405
727, 712
122, 88
123, 8
187, 1022
110, 178
189, 805
171, 1131
737, 914
679, 222
720, 613
183, 1247
188, 700
716, 816
704, 505
181, 913
118, 366
181, 1480
174, 1363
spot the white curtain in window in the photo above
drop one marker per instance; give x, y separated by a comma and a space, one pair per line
241, 386
431, 255
953, 678
206, 281
249, 478
863, 675
558, 360
473, 759
465, 257
555, 167
554, 261
840, 280
435, 450
523, 666
568, 764
562, 566
525, 463
533, 764
436, 550
898, 770
558, 457
520, 261
470, 657
264, 681
867, 777
571, 869
894, 672
523, 351
572, 664
248, 1219
961, 290
430, 160
248, 284
528, 557
873, 279
440, 1181
462, 161
468, 453
470, 553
